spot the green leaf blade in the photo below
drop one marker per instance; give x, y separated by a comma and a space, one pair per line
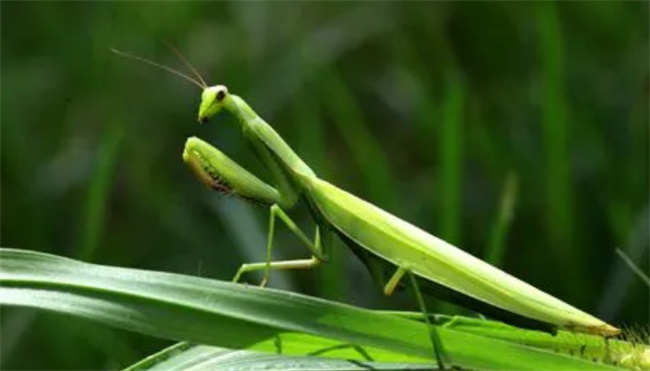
235, 316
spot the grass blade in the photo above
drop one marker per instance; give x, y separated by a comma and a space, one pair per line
633, 267
224, 314
497, 247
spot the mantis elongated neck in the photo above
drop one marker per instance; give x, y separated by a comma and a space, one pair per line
261, 133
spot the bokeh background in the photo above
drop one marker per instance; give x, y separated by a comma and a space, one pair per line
518, 131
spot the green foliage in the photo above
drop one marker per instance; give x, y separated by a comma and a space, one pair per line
423, 108
236, 316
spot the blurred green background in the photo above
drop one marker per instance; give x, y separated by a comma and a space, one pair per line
437, 112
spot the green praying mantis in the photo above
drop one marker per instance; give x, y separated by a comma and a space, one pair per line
389, 246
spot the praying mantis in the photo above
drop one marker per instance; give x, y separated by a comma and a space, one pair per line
389, 246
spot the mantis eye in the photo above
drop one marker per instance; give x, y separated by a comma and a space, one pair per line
221, 94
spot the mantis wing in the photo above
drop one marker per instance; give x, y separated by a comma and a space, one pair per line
381, 270
404, 245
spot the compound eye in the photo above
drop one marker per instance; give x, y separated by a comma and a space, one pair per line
221, 94
204, 120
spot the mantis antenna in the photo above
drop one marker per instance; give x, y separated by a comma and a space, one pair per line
186, 62
202, 85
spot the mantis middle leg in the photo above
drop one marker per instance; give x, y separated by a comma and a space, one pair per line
314, 247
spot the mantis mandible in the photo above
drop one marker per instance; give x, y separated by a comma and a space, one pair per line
389, 246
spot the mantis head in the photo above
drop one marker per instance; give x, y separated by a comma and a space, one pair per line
213, 99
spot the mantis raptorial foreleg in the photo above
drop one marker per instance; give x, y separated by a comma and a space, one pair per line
220, 173
315, 248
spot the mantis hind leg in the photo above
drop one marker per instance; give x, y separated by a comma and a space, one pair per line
315, 248
436, 343
433, 333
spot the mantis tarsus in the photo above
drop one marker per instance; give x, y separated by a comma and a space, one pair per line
389, 246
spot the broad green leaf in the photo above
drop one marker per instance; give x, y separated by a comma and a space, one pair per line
234, 316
